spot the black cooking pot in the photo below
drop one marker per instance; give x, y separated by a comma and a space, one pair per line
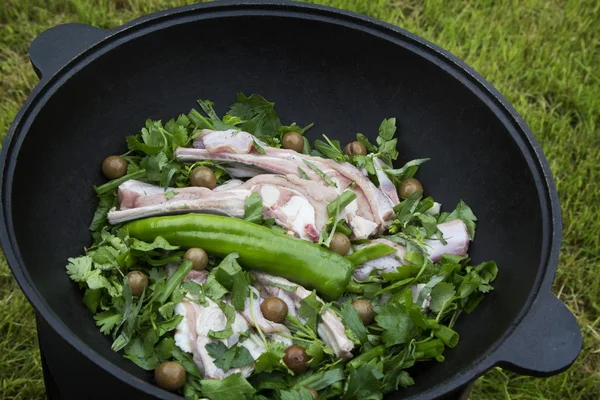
344, 71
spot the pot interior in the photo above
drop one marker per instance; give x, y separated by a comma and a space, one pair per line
343, 79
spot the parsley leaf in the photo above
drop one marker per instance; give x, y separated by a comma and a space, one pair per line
140, 350
253, 209
258, 114
107, 201
441, 294
234, 387
353, 322
227, 358
298, 394
310, 307
230, 274
271, 359
364, 384
397, 324
213, 289
465, 214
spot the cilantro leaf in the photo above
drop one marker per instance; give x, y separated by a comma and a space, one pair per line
230, 315
353, 322
105, 257
271, 359
465, 214
79, 268
234, 387
253, 209
397, 324
107, 320
363, 383
310, 306
227, 358
441, 294
258, 114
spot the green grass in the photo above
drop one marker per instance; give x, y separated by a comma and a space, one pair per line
543, 55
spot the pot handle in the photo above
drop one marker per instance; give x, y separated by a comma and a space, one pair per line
54, 48
546, 342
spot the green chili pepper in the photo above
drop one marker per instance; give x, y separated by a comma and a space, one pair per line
259, 248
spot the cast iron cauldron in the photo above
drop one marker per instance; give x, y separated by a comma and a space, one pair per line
344, 71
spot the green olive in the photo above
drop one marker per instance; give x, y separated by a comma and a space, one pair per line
138, 281
170, 375
293, 141
198, 257
364, 310
314, 393
296, 358
203, 177
340, 243
408, 187
114, 167
355, 149
274, 309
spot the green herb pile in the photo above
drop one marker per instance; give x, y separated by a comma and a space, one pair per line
403, 331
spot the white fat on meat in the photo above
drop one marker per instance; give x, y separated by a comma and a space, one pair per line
455, 234
230, 184
457, 239
385, 184
229, 141
290, 210
297, 206
330, 329
383, 264
255, 318
416, 292
435, 209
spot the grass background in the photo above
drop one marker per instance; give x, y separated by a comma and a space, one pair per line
543, 55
